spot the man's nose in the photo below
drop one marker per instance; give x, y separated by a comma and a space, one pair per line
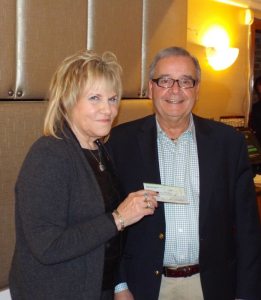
175, 86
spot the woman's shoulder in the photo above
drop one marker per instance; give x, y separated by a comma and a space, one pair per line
48, 143
49, 148
46, 155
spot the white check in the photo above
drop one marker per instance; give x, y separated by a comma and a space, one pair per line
167, 193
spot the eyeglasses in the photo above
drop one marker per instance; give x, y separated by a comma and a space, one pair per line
185, 83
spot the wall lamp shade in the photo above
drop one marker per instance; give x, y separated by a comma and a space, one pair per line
221, 58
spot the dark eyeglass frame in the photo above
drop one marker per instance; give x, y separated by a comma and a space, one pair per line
193, 81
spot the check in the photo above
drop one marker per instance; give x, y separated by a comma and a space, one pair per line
167, 193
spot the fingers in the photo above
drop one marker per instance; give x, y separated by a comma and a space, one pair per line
147, 201
145, 196
144, 199
137, 205
150, 200
148, 204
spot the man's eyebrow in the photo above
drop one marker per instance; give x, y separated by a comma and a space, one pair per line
187, 76
164, 75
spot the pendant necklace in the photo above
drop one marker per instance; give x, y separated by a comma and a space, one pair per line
99, 161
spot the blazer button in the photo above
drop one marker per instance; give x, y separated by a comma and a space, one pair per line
157, 272
161, 236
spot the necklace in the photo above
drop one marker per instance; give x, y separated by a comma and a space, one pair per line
99, 161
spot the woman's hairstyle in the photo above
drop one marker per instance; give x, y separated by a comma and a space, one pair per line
174, 51
76, 73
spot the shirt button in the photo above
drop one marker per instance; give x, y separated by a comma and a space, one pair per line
180, 229
161, 236
157, 272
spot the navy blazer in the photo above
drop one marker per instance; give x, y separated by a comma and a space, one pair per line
229, 228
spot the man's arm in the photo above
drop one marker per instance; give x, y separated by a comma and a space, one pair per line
124, 295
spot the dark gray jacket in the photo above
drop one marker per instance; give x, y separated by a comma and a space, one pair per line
61, 225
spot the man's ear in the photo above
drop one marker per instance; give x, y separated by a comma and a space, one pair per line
150, 90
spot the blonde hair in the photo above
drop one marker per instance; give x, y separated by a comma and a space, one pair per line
74, 74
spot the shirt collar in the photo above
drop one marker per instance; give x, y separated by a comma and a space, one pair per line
190, 130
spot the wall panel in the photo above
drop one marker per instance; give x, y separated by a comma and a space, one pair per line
38, 34
7, 47
21, 123
166, 27
117, 26
48, 31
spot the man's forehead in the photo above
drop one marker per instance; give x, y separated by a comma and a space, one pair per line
181, 65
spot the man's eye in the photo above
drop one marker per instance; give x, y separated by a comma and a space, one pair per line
185, 81
164, 80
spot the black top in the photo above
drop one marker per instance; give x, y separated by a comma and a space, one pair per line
109, 187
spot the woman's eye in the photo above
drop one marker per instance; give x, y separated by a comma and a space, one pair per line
94, 98
114, 99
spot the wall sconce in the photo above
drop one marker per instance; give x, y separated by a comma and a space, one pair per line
221, 58
249, 17
219, 55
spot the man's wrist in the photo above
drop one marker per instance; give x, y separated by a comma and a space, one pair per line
120, 287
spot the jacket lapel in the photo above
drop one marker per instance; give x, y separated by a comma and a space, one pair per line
206, 148
147, 140
77, 153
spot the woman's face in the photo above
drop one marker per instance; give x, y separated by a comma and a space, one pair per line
93, 114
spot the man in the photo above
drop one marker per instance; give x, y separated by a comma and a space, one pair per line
206, 246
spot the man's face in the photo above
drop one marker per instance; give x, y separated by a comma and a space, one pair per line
174, 103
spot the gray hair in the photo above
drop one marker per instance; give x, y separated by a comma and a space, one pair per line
174, 51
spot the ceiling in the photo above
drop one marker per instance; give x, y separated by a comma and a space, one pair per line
253, 4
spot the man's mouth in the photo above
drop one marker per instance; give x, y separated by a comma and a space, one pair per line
174, 101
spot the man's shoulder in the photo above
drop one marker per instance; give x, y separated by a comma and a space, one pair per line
217, 129
134, 125
213, 124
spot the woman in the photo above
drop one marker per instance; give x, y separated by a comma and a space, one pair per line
67, 204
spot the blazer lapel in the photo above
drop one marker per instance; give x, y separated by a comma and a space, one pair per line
206, 148
147, 140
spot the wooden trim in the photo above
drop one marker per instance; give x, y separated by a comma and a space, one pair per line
254, 27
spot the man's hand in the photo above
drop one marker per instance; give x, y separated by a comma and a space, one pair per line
124, 295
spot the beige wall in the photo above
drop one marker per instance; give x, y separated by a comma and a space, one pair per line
20, 124
222, 92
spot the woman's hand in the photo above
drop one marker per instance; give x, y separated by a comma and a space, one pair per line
135, 207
